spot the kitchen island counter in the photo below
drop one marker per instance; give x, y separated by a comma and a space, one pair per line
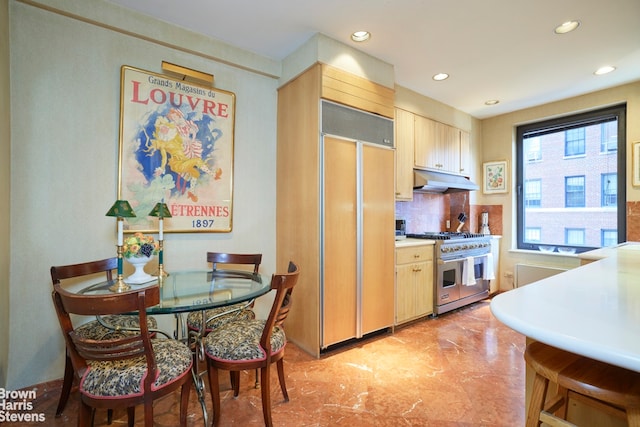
592, 310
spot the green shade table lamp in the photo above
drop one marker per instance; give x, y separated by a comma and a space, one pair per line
161, 210
121, 209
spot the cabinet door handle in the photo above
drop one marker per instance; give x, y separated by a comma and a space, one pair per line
416, 269
416, 256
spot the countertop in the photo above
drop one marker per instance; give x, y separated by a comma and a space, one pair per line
413, 242
592, 310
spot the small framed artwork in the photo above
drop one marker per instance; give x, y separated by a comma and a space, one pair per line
636, 163
495, 177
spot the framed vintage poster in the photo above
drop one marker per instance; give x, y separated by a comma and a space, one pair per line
176, 146
636, 163
495, 177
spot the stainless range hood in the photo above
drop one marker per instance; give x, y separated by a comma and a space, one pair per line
439, 182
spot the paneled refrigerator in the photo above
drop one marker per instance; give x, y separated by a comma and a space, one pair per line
357, 282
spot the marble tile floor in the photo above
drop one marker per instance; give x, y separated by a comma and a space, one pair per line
463, 368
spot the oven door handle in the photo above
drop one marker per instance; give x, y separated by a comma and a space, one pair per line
449, 261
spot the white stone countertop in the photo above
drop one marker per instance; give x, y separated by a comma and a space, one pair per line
592, 310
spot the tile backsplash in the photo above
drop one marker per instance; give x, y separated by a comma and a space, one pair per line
429, 212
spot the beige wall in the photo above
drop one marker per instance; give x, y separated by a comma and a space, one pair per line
5, 183
65, 79
498, 136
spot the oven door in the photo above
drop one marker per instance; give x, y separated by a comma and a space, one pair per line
447, 286
480, 285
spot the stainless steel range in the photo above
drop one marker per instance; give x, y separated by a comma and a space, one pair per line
464, 268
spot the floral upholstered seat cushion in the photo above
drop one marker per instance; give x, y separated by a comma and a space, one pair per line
125, 377
218, 317
96, 331
240, 340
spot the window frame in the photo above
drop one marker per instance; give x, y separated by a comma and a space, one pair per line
544, 127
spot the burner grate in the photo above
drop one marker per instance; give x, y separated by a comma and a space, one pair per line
445, 235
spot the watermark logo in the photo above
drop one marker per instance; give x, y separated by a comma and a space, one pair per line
17, 406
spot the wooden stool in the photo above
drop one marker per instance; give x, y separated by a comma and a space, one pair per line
608, 388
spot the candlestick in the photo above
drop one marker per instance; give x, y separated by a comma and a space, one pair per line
120, 231
120, 209
161, 210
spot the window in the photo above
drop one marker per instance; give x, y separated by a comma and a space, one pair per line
609, 185
608, 137
574, 236
533, 234
574, 142
533, 150
609, 237
533, 192
574, 193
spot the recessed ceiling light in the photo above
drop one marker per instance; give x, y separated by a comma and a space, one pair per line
360, 36
604, 70
566, 27
440, 76
491, 102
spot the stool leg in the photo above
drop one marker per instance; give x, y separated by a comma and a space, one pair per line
562, 412
633, 417
538, 395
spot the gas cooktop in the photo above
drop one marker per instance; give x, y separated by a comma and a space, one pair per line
444, 235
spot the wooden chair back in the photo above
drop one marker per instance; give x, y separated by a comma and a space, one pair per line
283, 285
63, 272
237, 259
82, 349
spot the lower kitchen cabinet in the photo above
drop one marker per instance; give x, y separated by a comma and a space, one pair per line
414, 282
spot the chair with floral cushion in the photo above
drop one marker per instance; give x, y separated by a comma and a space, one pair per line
219, 316
252, 344
124, 370
97, 329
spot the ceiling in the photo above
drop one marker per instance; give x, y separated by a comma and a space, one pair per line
492, 49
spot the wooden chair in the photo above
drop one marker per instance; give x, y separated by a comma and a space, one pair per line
124, 371
123, 324
252, 344
219, 316
605, 387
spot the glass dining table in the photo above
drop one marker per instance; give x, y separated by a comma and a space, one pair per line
192, 291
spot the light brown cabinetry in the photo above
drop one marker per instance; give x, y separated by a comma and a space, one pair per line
335, 220
440, 147
345, 314
465, 153
414, 282
404, 134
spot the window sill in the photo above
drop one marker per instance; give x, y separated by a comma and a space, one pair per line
528, 251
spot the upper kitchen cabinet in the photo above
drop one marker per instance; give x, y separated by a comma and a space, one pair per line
335, 205
465, 153
438, 146
348, 89
404, 134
